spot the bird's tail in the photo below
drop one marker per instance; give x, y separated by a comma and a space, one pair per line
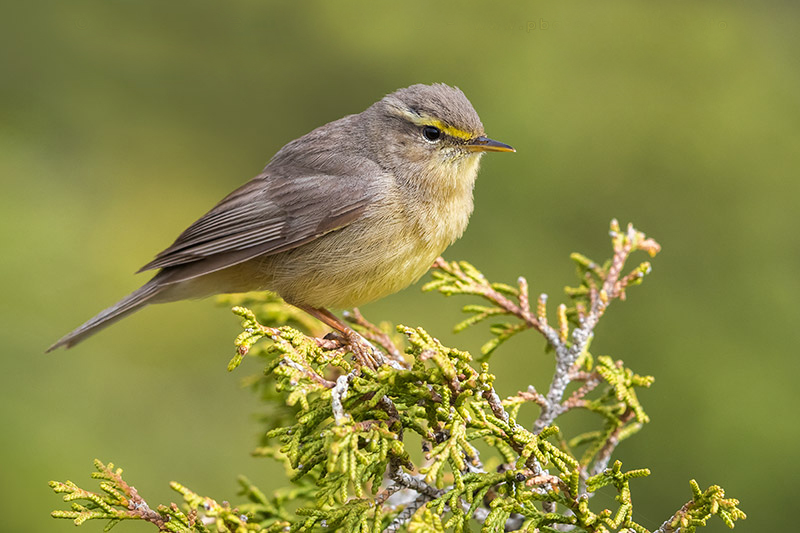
133, 302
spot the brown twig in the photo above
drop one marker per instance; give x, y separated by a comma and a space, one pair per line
577, 399
483, 288
530, 395
308, 372
604, 455
137, 506
667, 526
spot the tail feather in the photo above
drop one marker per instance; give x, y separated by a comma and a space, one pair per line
131, 303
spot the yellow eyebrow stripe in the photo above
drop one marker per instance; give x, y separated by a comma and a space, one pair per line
450, 130
425, 120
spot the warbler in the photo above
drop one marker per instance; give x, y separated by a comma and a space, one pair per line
349, 213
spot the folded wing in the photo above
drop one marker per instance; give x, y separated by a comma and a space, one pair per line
267, 215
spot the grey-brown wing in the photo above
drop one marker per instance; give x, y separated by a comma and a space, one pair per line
269, 214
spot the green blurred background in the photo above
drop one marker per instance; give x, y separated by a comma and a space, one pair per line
123, 121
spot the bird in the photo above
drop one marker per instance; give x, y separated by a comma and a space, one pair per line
353, 211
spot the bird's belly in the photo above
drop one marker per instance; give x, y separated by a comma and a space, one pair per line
344, 269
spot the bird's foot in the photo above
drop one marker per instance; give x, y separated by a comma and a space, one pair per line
363, 350
365, 353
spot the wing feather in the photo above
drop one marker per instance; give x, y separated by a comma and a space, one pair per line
267, 215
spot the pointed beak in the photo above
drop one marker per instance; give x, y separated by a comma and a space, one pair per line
485, 144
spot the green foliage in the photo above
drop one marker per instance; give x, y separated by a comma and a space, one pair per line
119, 501
344, 432
703, 506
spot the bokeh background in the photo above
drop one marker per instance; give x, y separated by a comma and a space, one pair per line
123, 121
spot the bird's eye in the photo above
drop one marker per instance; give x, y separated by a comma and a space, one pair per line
431, 133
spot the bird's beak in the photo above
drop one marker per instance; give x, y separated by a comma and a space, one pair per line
485, 144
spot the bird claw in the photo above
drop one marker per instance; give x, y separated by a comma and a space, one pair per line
363, 350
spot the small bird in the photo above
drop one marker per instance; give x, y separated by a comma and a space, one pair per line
349, 213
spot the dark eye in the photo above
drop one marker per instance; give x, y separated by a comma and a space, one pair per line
431, 133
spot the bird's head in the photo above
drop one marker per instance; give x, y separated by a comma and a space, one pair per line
429, 131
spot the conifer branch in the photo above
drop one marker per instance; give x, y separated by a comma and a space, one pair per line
341, 429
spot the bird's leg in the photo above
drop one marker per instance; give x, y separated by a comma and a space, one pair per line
366, 354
